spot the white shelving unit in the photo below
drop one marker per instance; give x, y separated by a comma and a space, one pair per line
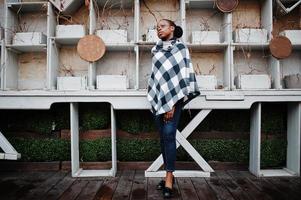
35, 68
225, 60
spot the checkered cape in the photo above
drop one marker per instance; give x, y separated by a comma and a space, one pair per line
172, 77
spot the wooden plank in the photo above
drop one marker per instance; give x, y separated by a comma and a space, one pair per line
108, 187
74, 190
11, 183
176, 190
203, 189
186, 188
232, 186
247, 186
31, 181
139, 188
56, 191
220, 190
38, 192
152, 192
90, 190
286, 187
267, 188
124, 186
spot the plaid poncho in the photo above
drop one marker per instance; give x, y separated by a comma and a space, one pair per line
172, 76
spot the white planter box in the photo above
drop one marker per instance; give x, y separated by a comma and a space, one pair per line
152, 35
113, 36
249, 35
112, 82
70, 31
205, 37
72, 83
292, 81
253, 81
29, 38
206, 82
293, 35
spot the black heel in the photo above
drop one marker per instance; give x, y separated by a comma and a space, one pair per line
161, 185
168, 192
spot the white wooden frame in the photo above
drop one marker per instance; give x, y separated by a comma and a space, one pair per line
152, 171
76, 171
10, 152
293, 142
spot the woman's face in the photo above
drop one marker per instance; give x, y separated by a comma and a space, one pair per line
164, 30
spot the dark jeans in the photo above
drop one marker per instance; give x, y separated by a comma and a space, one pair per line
167, 132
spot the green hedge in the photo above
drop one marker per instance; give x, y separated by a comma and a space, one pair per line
273, 152
97, 116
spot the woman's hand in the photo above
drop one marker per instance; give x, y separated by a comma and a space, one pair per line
168, 115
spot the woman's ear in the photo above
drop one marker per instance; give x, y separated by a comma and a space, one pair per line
172, 28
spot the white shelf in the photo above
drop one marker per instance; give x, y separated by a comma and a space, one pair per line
27, 7
120, 47
207, 47
66, 41
255, 46
200, 3
28, 48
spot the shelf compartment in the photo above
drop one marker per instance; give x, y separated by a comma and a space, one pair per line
115, 16
25, 18
213, 65
203, 19
123, 66
26, 71
253, 14
249, 62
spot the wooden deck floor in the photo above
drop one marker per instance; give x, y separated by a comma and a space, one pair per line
133, 185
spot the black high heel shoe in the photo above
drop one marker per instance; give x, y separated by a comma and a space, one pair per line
167, 192
161, 184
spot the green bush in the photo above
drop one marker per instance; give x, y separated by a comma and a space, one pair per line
42, 150
135, 121
94, 120
97, 116
273, 152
